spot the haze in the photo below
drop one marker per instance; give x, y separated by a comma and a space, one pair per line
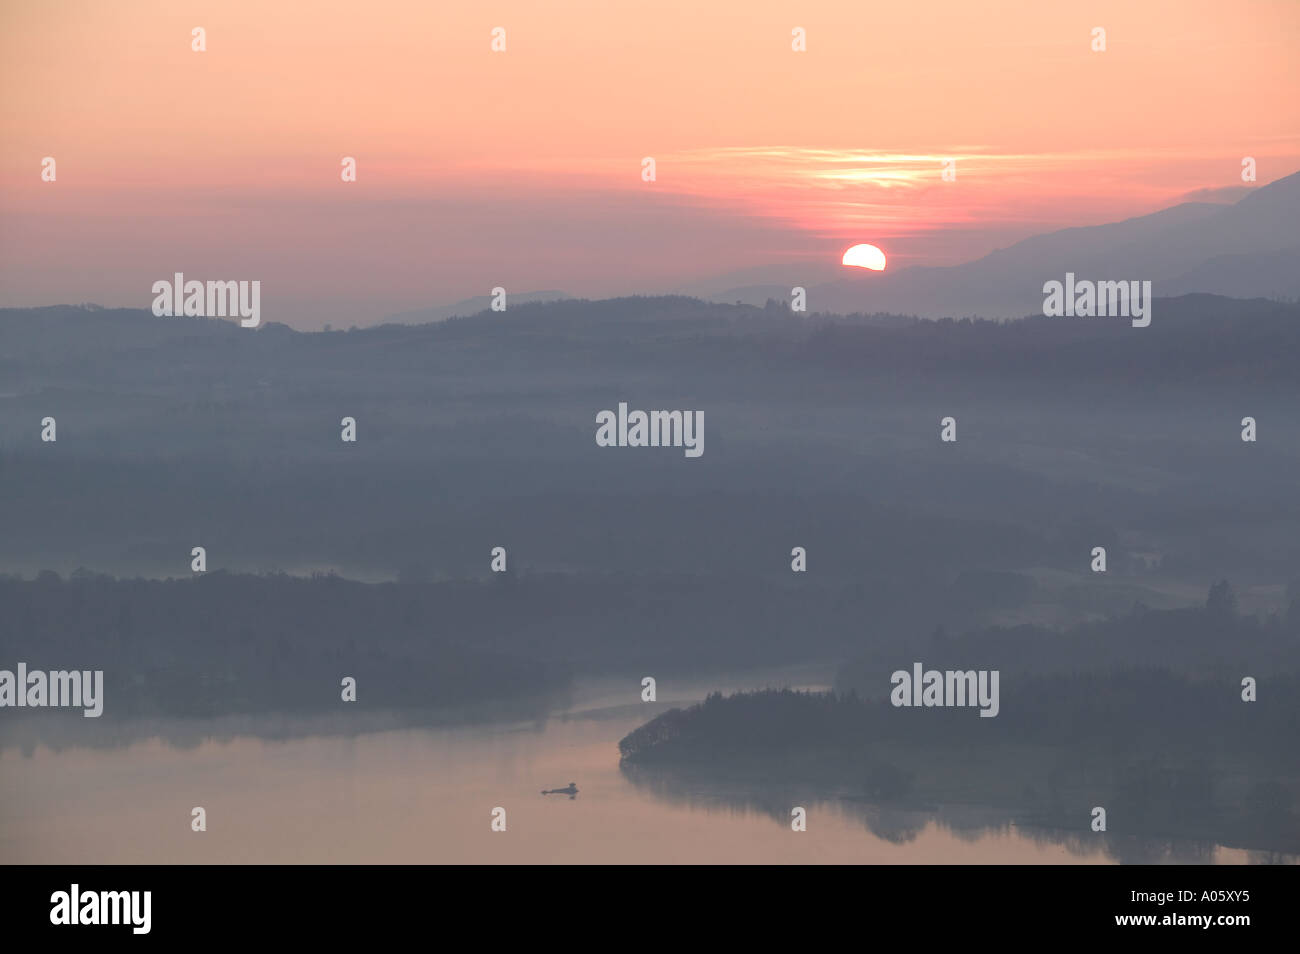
522, 169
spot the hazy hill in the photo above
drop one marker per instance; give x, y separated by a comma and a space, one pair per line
471, 306
820, 432
1247, 249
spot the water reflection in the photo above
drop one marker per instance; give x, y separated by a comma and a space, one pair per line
302, 792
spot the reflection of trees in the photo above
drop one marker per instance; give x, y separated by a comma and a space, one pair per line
886, 782
903, 822
1177, 765
970, 823
62, 730
1269, 809
1153, 796
894, 825
1136, 850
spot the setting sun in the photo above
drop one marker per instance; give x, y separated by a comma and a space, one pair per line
865, 256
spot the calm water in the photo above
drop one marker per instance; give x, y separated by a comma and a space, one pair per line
426, 795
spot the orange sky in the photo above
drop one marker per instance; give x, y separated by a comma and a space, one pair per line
522, 168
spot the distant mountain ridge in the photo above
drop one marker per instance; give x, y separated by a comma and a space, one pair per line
71, 346
1249, 249
470, 306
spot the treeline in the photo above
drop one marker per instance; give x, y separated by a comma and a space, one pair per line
1193, 338
1209, 641
223, 644
1164, 755
1147, 714
1189, 338
1122, 714
572, 623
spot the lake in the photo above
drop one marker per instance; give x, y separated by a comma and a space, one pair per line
425, 795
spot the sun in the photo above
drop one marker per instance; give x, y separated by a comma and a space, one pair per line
865, 256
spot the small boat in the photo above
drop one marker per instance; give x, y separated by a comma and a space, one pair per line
571, 791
